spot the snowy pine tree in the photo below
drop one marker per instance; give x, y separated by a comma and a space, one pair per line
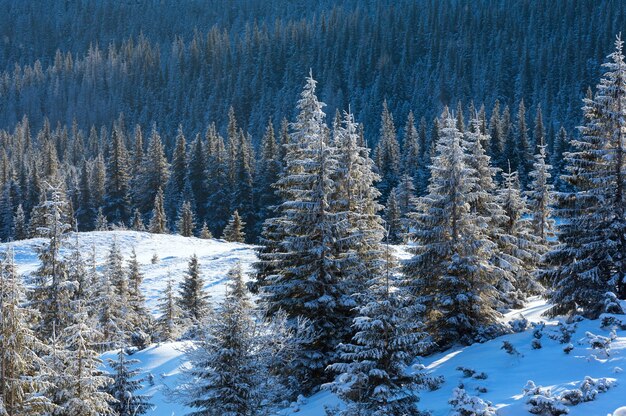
158, 222
22, 387
186, 220
233, 232
192, 296
168, 324
589, 259
224, 375
450, 272
128, 402
373, 376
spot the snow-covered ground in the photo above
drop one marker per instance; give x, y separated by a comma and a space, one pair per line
215, 257
506, 374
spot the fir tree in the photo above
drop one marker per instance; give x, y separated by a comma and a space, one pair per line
20, 231
411, 149
205, 233
196, 175
140, 317
224, 374
174, 191
186, 221
302, 264
393, 218
373, 377
387, 153
154, 172
136, 223
192, 296
128, 402
22, 387
589, 261
80, 385
168, 323
233, 232
158, 222
451, 269
117, 200
540, 197
50, 289
86, 213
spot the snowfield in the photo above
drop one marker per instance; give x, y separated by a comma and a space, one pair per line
506, 374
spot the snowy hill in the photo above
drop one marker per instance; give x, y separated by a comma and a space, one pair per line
215, 257
506, 374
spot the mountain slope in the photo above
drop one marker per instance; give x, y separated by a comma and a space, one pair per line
507, 374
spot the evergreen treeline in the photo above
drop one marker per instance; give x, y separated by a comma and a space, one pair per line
91, 60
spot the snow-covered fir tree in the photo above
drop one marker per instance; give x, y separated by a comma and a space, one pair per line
224, 374
175, 188
154, 172
205, 233
136, 223
22, 387
393, 219
373, 378
117, 190
139, 315
301, 267
540, 197
50, 290
387, 154
356, 198
186, 220
450, 271
168, 325
193, 299
81, 382
233, 232
158, 221
125, 386
589, 260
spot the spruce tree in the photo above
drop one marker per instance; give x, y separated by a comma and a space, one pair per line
224, 376
136, 223
450, 271
154, 172
128, 402
589, 260
393, 219
50, 290
186, 221
20, 231
217, 182
117, 198
174, 191
22, 387
158, 222
140, 316
80, 386
196, 175
168, 324
86, 213
205, 233
233, 232
268, 173
411, 149
387, 155
373, 377
192, 296
302, 264
540, 197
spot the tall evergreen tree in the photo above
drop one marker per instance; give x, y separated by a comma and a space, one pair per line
186, 223
224, 374
154, 171
168, 324
117, 199
22, 387
589, 260
128, 402
86, 213
158, 222
174, 191
450, 272
373, 377
304, 277
540, 197
411, 149
193, 299
387, 155
140, 316
233, 232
